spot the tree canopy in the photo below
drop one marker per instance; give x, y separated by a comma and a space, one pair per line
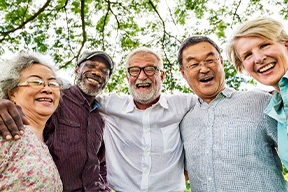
64, 28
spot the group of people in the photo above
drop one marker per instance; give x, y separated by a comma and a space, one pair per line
226, 140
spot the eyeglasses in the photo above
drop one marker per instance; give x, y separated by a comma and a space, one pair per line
40, 84
148, 70
208, 63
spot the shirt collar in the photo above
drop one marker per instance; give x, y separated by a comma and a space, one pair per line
162, 102
283, 81
76, 90
227, 92
276, 102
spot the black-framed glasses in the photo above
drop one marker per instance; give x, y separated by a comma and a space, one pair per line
208, 63
40, 84
148, 70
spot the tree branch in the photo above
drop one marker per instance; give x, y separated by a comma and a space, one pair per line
42, 9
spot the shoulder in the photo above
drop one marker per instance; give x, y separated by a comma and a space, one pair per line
180, 100
113, 101
254, 94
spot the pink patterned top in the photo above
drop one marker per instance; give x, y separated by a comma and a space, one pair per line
26, 165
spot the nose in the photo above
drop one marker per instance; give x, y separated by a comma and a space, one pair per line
203, 68
258, 57
142, 75
97, 72
46, 89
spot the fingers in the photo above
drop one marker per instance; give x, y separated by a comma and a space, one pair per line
11, 125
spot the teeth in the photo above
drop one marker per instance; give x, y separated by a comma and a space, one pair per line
144, 84
93, 81
44, 99
266, 68
206, 79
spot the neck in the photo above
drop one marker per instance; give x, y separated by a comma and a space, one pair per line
210, 98
143, 106
89, 98
277, 88
37, 127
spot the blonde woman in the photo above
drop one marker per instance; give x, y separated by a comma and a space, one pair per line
260, 47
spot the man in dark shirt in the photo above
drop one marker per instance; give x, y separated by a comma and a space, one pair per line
74, 133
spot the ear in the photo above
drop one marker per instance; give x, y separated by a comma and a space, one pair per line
76, 70
183, 73
221, 61
162, 75
11, 95
286, 45
127, 77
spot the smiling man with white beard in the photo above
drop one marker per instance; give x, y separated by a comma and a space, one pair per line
144, 151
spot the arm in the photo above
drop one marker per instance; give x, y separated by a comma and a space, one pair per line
103, 170
11, 120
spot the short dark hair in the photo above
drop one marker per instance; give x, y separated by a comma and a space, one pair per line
192, 41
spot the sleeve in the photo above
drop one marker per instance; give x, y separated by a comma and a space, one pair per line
49, 128
103, 169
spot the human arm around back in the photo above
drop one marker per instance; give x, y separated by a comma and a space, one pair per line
11, 120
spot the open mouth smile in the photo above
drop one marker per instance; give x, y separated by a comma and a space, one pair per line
45, 100
266, 68
143, 85
206, 79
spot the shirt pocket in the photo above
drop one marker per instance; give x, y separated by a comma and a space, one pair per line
171, 137
69, 131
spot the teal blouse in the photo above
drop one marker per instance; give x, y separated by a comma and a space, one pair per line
278, 109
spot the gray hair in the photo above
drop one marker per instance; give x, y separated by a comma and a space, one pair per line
145, 50
11, 69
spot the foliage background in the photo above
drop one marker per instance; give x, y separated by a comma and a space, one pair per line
64, 28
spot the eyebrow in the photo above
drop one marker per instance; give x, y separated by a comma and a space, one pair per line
37, 76
207, 55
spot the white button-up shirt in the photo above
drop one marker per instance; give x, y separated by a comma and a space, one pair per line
144, 151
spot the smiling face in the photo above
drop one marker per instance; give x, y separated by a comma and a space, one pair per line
206, 80
145, 89
39, 100
265, 60
92, 76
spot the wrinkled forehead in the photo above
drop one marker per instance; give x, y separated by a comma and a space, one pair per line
143, 59
97, 61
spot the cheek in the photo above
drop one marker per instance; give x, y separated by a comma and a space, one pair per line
57, 96
21, 96
131, 80
189, 76
248, 66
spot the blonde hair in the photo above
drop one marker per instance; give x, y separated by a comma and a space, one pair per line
261, 27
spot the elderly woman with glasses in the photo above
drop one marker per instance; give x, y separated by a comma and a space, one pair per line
260, 47
26, 164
